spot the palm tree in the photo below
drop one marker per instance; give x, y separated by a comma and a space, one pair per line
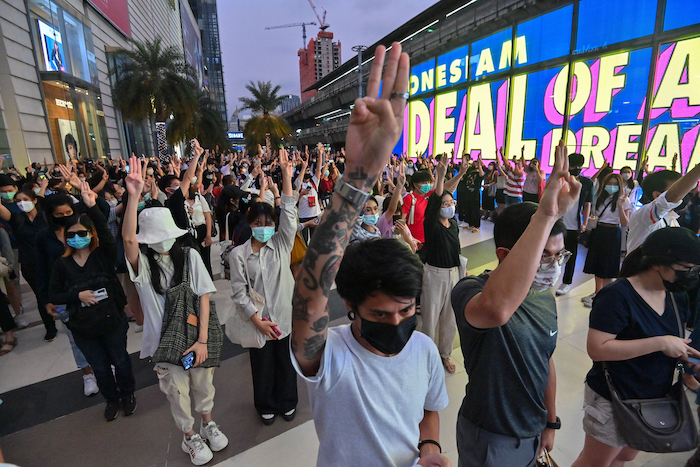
265, 100
207, 125
153, 83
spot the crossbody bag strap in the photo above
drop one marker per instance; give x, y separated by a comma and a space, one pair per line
247, 274
226, 226
678, 316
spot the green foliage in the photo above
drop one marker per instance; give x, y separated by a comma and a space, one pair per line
264, 101
207, 126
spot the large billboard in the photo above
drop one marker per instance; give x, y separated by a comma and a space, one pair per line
477, 98
192, 41
116, 11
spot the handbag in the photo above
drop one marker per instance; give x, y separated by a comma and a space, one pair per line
593, 220
660, 425
239, 328
180, 324
545, 460
298, 250
491, 191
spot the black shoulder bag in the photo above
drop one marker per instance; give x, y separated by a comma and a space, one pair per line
656, 425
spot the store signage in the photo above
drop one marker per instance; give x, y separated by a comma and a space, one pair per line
62, 103
235, 135
116, 11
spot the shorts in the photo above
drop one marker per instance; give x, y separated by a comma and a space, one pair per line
598, 420
510, 200
500, 196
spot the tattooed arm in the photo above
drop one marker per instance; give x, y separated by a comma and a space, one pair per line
375, 127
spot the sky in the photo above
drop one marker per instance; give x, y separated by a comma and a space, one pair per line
249, 52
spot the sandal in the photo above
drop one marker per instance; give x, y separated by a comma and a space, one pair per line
449, 366
12, 345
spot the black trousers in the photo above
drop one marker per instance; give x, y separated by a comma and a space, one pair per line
462, 200
307, 232
104, 351
274, 378
29, 273
7, 323
571, 244
473, 208
532, 197
204, 251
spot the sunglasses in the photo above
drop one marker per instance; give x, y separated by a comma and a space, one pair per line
79, 233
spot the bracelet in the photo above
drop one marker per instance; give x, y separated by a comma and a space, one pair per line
278, 197
430, 441
200, 342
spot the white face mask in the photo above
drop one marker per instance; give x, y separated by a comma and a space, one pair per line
113, 203
447, 213
545, 279
162, 247
626, 176
25, 206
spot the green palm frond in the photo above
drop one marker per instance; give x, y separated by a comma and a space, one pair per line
258, 127
265, 99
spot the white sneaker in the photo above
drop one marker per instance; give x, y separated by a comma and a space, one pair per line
588, 298
563, 289
90, 385
210, 431
21, 321
198, 450
138, 327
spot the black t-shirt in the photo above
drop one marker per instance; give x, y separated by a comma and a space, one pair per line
508, 367
441, 243
25, 231
618, 309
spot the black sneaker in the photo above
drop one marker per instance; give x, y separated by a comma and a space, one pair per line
129, 405
289, 415
50, 335
112, 410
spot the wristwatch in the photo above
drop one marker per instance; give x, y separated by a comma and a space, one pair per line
354, 196
554, 426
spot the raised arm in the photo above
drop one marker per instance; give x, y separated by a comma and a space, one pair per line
134, 186
396, 196
186, 181
451, 184
320, 151
682, 186
374, 129
510, 282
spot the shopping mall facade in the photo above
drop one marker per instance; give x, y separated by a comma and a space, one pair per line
55, 84
615, 79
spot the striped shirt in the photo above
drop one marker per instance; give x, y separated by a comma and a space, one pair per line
514, 184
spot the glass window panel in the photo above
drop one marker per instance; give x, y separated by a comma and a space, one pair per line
602, 23
678, 14
545, 37
76, 44
452, 68
491, 54
422, 78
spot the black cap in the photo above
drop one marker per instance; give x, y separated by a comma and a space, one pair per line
233, 192
211, 161
676, 243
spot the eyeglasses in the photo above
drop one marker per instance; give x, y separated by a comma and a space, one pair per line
79, 233
447, 204
692, 272
547, 262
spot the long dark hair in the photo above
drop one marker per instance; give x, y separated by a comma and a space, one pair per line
177, 254
630, 182
636, 263
603, 195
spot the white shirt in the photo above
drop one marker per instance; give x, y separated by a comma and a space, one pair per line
308, 204
649, 218
199, 207
153, 304
366, 407
225, 170
606, 214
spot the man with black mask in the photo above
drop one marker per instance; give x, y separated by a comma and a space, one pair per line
375, 385
575, 220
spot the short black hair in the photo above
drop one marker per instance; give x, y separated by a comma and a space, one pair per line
657, 181
6, 180
576, 159
421, 176
511, 223
166, 181
261, 209
378, 265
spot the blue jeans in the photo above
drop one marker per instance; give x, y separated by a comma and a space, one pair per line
77, 354
104, 351
513, 200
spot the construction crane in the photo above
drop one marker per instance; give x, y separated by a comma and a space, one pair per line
323, 25
293, 25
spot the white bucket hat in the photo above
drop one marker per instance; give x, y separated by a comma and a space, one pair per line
157, 225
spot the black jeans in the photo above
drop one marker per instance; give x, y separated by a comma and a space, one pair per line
274, 378
473, 208
29, 273
7, 323
571, 244
204, 251
106, 350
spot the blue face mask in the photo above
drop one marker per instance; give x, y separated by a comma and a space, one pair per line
147, 196
370, 219
263, 234
425, 188
79, 242
327, 173
140, 206
612, 189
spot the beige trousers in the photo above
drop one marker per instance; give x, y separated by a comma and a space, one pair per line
175, 382
436, 307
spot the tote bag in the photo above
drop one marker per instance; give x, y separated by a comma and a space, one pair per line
239, 328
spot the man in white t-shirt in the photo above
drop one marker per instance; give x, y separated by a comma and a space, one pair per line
663, 192
309, 205
375, 385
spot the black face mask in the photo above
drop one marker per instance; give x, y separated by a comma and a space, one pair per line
60, 221
683, 282
575, 172
388, 338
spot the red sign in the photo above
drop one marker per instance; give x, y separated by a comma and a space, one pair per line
116, 11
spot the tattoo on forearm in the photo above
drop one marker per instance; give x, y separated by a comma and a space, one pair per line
328, 273
314, 346
320, 324
300, 306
